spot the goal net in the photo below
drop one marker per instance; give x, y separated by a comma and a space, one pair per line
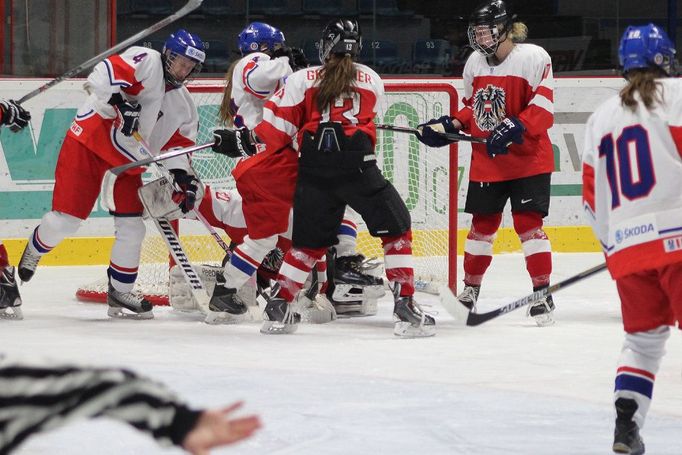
425, 178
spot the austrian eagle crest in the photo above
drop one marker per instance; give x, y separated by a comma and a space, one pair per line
489, 105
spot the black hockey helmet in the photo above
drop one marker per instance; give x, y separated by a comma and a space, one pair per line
340, 36
487, 23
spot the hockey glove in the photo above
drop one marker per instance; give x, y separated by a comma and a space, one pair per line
233, 143
13, 115
128, 114
432, 136
189, 186
297, 59
509, 130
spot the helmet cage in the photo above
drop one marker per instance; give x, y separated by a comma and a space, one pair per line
168, 57
185, 45
485, 38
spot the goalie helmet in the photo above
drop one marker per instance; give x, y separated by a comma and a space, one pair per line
487, 24
182, 56
646, 46
260, 37
341, 36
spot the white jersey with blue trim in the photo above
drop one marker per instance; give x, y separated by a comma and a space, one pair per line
255, 79
168, 119
631, 173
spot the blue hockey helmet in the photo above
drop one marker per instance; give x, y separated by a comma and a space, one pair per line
260, 37
646, 46
186, 45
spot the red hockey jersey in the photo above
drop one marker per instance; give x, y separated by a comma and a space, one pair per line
521, 86
292, 109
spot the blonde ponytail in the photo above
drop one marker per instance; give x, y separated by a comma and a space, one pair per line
226, 114
518, 32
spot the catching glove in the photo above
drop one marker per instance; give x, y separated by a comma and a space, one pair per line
431, 136
509, 130
13, 115
128, 114
186, 198
233, 143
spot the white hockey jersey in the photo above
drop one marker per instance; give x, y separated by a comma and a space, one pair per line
632, 171
255, 79
168, 117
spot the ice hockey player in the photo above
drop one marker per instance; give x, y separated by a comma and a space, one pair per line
632, 167
265, 64
138, 91
337, 167
16, 118
508, 98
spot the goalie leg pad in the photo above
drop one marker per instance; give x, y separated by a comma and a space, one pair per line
318, 310
350, 300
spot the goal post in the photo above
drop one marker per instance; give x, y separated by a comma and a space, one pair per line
426, 178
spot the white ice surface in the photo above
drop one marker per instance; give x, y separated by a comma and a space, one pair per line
351, 387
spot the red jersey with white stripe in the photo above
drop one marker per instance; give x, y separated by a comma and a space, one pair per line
168, 119
631, 181
521, 86
293, 108
255, 79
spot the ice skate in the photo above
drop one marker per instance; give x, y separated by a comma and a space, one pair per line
351, 291
230, 308
279, 317
626, 437
469, 296
10, 300
128, 305
353, 270
28, 263
410, 320
542, 310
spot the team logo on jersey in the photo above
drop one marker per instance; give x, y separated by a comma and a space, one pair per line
76, 129
634, 231
672, 244
489, 108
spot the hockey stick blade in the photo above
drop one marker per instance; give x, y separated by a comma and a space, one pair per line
474, 319
415, 131
190, 6
449, 301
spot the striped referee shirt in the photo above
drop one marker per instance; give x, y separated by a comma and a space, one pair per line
35, 397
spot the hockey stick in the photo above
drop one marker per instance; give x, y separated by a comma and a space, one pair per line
170, 237
118, 170
109, 179
219, 240
190, 6
459, 311
448, 136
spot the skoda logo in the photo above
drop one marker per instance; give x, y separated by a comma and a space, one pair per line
619, 236
253, 46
